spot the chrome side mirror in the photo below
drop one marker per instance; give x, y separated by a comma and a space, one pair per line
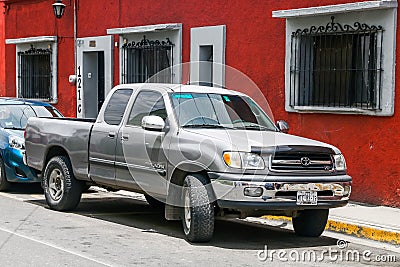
155, 123
283, 126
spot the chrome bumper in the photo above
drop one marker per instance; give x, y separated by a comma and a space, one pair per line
278, 189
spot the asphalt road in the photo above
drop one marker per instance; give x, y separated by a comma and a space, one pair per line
118, 229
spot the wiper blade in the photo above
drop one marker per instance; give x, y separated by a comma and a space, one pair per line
206, 126
255, 127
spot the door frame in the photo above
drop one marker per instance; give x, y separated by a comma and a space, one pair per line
93, 44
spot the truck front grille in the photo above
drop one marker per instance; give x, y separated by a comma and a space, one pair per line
301, 162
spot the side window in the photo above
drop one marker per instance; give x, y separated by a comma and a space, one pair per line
116, 106
147, 103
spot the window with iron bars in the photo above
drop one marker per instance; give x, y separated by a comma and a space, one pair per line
336, 66
35, 74
141, 61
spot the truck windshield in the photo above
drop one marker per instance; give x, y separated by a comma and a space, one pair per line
199, 110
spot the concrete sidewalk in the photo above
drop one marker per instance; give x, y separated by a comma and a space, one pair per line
377, 223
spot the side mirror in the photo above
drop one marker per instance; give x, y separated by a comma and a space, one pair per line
283, 126
155, 123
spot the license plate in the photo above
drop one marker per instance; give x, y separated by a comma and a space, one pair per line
307, 198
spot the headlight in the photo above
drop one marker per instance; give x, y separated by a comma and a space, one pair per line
340, 162
16, 142
243, 160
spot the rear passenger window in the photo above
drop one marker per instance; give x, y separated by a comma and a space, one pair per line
147, 103
116, 106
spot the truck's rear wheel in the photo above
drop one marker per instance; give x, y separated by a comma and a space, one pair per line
62, 191
198, 212
310, 223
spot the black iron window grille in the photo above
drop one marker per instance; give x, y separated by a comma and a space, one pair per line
336, 66
142, 60
35, 74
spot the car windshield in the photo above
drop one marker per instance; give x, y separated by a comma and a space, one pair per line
200, 110
16, 116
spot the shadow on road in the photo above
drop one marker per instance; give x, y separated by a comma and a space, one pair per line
232, 234
25, 189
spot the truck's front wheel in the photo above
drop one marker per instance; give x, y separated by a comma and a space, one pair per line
198, 212
62, 191
310, 223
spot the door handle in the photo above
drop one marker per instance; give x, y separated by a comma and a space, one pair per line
111, 134
125, 138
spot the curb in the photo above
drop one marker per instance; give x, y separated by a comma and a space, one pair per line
353, 229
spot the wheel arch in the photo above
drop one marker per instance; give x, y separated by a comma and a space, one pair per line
52, 152
177, 177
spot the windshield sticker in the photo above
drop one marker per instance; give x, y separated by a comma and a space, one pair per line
226, 98
185, 96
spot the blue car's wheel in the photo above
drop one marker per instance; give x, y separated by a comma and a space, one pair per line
4, 184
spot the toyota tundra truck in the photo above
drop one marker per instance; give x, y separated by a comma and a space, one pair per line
200, 153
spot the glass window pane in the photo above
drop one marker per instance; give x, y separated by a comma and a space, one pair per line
116, 106
147, 103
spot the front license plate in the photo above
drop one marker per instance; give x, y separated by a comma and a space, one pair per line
307, 198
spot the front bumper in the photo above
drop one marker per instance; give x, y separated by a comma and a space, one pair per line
15, 168
278, 192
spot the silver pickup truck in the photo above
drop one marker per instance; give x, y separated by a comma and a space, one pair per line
198, 152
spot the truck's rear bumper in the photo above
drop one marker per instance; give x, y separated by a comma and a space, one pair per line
278, 192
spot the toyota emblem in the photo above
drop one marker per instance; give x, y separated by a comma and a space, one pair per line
305, 161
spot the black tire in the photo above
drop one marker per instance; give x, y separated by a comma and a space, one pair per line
155, 203
4, 184
198, 212
62, 191
85, 188
310, 223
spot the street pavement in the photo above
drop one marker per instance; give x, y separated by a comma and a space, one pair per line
379, 223
121, 229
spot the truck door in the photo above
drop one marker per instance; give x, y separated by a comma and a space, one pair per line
140, 160
103, 139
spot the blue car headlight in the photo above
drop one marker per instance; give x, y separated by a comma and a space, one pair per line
16, 142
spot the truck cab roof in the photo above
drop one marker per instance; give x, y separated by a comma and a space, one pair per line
170, 88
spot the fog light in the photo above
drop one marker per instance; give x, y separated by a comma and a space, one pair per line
253, 191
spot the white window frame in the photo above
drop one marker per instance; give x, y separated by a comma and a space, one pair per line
214, 36
382, 13
39, 42
173, 31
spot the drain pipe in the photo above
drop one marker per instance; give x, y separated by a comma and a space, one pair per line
75, 35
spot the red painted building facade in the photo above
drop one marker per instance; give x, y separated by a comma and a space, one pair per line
255, 37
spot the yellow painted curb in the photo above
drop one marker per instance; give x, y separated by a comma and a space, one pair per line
352, 229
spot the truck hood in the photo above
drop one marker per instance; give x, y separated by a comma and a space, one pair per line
245, 140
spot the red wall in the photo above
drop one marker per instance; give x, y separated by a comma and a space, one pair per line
2, 54
255, 44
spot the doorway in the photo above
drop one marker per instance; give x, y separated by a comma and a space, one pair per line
206, 65
94, 74
93, 79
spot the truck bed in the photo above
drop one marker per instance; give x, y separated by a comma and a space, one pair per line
68, 134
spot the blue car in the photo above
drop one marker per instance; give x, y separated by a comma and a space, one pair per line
14, 114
